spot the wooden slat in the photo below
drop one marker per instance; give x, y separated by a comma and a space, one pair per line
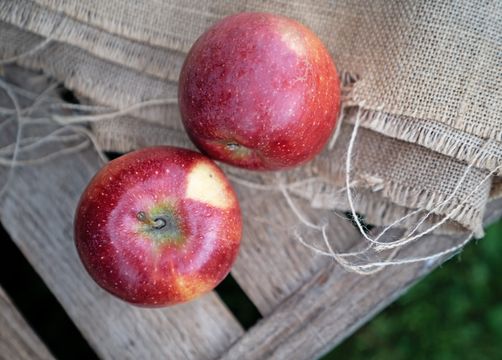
38, 214
17, 339
272, 263
334, 303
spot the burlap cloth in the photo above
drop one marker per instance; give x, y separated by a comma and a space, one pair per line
425, 78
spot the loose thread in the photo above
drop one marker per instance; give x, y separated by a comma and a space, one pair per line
27, 94
439, 223
322, 228
276, 186
419, 259
5, 123
112, 115
376, 266
29, 143
99, 150
17, 107
339, 257
67, 122
40, 99
295, 210
384, 245
59, 105
251, 184
37, 141
348, 169
388, 245
29, 52
338, 128
378, 246
20, 144
344, 263
79, 107
66, 151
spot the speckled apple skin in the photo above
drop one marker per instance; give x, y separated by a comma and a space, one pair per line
140, 264
263, 82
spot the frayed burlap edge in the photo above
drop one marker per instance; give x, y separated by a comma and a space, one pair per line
438, 137
115, 135
159, 62
385, 206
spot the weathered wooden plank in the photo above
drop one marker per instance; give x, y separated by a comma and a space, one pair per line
493, 211
17, 339
334, 303
272, 263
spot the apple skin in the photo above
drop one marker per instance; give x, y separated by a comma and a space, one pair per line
158, 226
259, 91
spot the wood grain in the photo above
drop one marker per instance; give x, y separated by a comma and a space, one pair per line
272, 263
17, 339
334, 303
38, 212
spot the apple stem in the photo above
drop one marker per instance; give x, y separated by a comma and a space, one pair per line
232, 146
141, 216
157, 223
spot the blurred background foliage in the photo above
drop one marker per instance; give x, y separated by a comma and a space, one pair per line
454, 313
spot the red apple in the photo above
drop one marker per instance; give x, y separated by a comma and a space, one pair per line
259, 91
158, 226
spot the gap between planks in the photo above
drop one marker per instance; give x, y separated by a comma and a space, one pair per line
17, 339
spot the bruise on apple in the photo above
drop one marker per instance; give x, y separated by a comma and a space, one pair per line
203, 177
259, 91
158, 226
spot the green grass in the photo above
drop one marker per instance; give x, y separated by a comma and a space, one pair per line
454, 313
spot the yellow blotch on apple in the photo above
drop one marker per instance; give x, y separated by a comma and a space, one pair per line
205, 184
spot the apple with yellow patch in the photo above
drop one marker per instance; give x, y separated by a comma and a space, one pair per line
259, 91
158, 226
